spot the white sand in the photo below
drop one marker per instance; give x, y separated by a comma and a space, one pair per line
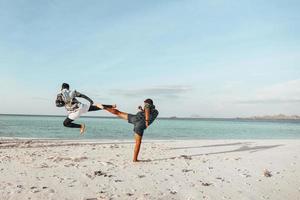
201, 169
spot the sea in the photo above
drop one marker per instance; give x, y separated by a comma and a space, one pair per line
51, 127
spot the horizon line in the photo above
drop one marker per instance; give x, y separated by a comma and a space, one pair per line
169, 118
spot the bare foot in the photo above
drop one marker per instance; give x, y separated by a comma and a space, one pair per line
82, 129
142, 161
136, 160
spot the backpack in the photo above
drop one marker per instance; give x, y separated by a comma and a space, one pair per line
154, 113
59, 102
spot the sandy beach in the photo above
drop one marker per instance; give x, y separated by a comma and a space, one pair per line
200, 169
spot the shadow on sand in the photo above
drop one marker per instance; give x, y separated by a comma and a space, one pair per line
241, 149
213, 145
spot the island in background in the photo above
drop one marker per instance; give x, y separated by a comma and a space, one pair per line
273, 117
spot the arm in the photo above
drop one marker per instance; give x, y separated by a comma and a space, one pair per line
140, 108
147, 116
78, 94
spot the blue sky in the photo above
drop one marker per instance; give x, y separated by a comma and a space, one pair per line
194, 58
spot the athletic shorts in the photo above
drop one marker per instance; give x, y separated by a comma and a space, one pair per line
83, 108
139, 125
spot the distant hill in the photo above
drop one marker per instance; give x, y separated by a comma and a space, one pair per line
279, 116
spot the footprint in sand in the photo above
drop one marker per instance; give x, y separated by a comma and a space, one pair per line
267, 173
186, 170
221, 179
70, 165
80, 159
44, 165
34, 189
114, 146
206, 184
90, 176
59, 159
100, 173
172, 191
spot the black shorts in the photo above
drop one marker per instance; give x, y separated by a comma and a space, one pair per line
139, 124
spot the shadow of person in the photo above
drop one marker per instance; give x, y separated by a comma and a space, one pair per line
213, 145
240, 149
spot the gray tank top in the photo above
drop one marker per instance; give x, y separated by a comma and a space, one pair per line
71, 103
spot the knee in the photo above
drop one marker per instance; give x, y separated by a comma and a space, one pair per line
66, 123
138, 137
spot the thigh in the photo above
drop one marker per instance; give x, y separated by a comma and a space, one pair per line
132, 119
139, 128
123, 115
68, 121
74, 115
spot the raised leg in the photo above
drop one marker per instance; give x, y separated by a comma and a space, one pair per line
94, 108
118, 113
100, 107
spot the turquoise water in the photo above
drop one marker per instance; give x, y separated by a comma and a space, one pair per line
107, 128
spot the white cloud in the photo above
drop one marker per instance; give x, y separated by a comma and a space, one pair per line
171, 91
286, 92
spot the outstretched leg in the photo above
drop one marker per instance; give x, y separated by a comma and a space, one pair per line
138, 142
100, 107
120, 114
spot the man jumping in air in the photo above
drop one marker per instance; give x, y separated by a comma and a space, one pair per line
141, 121
67, 98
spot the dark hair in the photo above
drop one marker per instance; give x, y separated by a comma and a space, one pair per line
65, 86
149, 101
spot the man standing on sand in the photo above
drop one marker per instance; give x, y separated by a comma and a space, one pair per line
141, 121
67, 98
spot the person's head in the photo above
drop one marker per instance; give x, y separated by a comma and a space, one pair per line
65, 86
149, 101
